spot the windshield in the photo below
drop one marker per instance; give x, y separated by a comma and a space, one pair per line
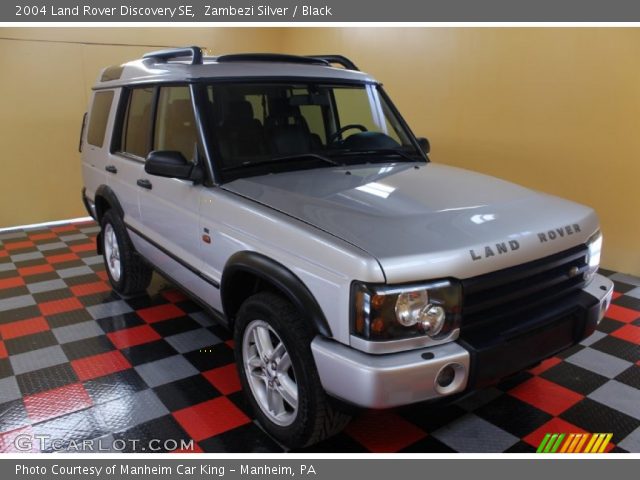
263, 128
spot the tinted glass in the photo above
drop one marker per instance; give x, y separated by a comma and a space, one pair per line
99, 116
135, 135
260, 128
175, 127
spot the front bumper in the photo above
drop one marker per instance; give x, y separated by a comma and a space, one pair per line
383, 381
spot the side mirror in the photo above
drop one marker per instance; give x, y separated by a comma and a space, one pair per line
168, 163
424, 144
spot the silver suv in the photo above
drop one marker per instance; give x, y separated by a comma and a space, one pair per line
287, 195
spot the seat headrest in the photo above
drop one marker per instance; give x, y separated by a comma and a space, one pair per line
280, 108
239, 111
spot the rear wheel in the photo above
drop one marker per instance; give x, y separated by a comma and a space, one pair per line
278, 373
127, 271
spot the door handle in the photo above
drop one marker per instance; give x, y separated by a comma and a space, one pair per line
111, 169
144, 183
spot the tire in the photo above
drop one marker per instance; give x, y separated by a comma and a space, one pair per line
315, 417
128, 272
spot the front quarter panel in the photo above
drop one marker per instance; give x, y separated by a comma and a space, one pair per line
325, 264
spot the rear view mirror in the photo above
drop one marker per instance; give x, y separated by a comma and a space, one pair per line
167, 163
424, 144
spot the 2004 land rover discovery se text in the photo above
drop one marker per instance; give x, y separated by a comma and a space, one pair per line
287, 195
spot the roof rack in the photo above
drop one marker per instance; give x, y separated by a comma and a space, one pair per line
165, 55
336, 59
270, 57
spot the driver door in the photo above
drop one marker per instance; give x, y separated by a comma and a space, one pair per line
169, 207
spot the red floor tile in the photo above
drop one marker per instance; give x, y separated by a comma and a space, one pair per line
622, 314
35, 270
4, 253
11, 282
545, 395
225, 379
133, 336
555, 425
545, 365
174, 296
42, 236
63, 257
100, 365
83, 247
90, 288
210, 418
103, 275
160, 313
57, 402
630, 333
384, 431
18, 245
616, 295
23, 327
60, 306
3, 350
20, 440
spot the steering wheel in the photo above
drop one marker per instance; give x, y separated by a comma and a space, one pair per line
337, 134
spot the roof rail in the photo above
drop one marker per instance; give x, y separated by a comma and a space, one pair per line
165, 55
270, 57
337, 59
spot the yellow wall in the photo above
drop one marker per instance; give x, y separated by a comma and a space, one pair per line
47, 74
553, 109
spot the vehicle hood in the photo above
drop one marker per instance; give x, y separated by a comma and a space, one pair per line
426, 221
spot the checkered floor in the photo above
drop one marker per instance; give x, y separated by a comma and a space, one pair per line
77, 362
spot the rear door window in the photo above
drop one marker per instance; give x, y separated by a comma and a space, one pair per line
137, 122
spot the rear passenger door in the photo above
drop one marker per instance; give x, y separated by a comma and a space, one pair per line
130, 147
169, 206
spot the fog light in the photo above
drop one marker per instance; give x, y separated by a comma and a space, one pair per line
432, 319
446, 376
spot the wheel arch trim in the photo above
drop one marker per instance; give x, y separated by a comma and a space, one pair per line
279, 276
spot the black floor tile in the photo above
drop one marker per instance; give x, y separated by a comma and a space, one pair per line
512, 415
87, 347
45, 379
35, 341
116, 385
574, 378
595, 417
148, 352
246, 438
186, 392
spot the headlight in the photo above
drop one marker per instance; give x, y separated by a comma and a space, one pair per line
384, 312
593, 256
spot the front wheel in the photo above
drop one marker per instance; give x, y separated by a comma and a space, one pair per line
278, 373
128, 273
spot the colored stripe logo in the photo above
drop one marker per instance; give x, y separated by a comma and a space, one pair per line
574, 443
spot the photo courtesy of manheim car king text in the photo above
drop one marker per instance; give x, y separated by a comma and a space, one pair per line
293, 237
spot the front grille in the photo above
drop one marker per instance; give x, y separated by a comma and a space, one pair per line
513, 291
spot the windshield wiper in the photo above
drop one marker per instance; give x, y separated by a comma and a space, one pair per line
286, 158
382, 151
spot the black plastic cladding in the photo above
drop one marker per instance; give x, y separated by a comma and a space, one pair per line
277, 275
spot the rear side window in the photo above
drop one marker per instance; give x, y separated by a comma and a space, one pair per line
99, 116
175, 123
137, 122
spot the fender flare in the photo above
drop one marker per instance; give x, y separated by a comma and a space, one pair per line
105, 192
109, 195
278, 275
